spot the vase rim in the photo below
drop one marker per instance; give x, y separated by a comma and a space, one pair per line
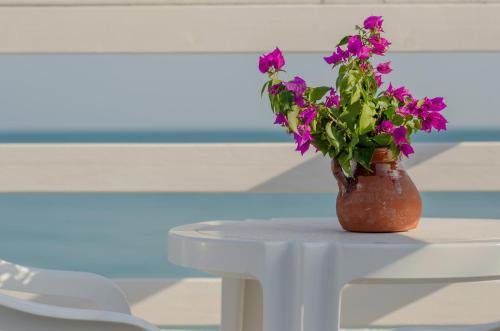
383, 154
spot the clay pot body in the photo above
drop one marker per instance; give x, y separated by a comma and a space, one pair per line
383, 200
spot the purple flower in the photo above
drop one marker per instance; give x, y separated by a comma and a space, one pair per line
337, 56
380, 45
378, 79
354, 45
298, 86
438, 104
386, 126
332, 99
399, 135
364, 53
373, 23
435, 104
303, 138
275, 89
308, 115
400, 93
364, 66
270, 60
433, 119
410, 108
384, 68
281, 120
406, 149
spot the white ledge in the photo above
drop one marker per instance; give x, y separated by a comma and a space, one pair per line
224, 167
98, 27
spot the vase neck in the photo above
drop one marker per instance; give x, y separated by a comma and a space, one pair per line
383, 155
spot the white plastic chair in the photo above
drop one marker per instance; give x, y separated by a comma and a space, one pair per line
112, 312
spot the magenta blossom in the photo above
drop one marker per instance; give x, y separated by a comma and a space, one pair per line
338, 56
378, 79
400, 93
354, 44
435, 104
281, 120
303, 138
275, 89
384, 68
308, 115
410, 108
364, 66
373, 23
406, 149
399, 135
298, 86
438, 103
332, 99
386, 126
270, 60
380, 45
364, 53
434, 120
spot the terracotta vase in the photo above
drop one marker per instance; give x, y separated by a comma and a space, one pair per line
383, 200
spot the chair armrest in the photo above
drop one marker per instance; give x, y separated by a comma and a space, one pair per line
99, 290
69, 315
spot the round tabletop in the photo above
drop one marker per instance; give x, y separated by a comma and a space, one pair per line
429, 231
213, 245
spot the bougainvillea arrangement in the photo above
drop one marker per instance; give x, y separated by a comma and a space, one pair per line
347, 122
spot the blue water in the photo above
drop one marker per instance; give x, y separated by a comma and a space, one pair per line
211, 136
124, 234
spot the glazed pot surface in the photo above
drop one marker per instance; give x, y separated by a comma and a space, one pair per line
383, 200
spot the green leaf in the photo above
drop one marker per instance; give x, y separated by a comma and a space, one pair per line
264, 87
390, 111
340, 77
353, 77
350, 114
418, 124
314, 125
274, 103
331, 135
382, 139
321, 144
285, 100
398, 120
366, 119
293, 120
317, 93
364, 156
343, 41
394, 150
344, 161
356, 94
352, 144
366, 141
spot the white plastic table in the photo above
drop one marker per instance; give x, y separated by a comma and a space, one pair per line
302, 265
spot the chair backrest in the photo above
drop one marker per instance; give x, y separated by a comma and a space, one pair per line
92, 290
109, 310
16, 314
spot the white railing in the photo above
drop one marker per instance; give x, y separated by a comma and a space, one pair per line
225, 167
137, 26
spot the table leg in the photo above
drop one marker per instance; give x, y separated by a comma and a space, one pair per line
321, 289
241, 305
233, 290
304, 293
